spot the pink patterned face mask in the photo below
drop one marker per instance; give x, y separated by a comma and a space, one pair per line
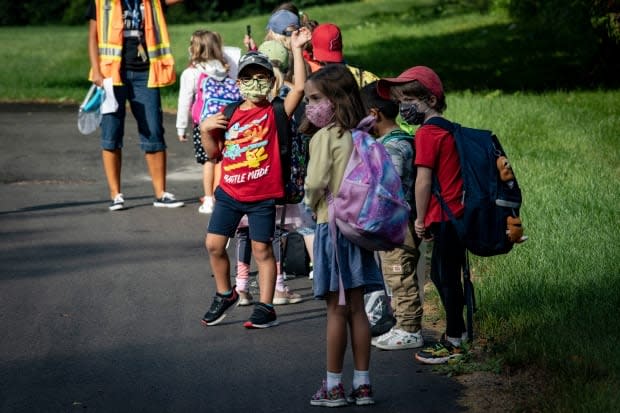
320, 114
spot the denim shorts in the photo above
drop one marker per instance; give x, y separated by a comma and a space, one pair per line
145, 105
228, 212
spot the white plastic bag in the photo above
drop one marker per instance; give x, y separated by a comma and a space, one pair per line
379, 311
109, 103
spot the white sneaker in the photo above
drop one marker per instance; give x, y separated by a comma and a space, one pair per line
397, 339
167, 200
311, 275
118, 203
458, 341
207, 205
245, 298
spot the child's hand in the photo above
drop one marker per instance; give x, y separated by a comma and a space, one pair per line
249, 43
182, 138
217, 121
300, 37
421, 231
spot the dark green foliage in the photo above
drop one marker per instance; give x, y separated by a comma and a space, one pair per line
584, 24
75, 12
36, 12
222, 10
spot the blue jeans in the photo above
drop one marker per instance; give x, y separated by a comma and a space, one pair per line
145, 105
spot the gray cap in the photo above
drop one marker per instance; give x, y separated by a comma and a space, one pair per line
255, 58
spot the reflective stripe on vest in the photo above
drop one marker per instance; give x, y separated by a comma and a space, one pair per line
161, 72
110, 33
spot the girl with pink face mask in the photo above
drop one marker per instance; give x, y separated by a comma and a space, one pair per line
333, 108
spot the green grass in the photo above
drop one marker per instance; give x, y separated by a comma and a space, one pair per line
550, 304
471, 51
552, 301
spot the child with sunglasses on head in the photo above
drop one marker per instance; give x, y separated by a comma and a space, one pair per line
247, 144
341, 268
208, 64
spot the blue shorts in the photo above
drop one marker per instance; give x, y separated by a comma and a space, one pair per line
145, 103
228, 212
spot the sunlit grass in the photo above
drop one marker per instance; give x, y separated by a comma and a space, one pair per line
552, 301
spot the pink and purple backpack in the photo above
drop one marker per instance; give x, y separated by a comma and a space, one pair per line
212, 95
370, 209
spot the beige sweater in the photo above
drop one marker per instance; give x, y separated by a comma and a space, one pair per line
329, 155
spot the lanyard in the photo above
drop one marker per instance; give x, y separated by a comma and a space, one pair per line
135, 13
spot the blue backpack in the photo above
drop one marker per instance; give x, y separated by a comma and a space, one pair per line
488, 200
370, 209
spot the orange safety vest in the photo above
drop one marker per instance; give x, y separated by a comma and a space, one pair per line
110, 38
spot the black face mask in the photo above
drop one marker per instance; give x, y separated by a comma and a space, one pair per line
410, 113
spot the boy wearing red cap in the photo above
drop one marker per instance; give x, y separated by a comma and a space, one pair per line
420, 94
327, 48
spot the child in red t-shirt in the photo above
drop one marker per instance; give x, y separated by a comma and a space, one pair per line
421, 96
251, 179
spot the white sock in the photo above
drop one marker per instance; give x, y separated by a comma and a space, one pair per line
360, 377
455, 341
280, 285
333, 379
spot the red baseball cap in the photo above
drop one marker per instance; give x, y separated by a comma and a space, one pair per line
425, 75
327, 43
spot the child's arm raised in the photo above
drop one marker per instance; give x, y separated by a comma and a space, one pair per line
211, 130
299, 38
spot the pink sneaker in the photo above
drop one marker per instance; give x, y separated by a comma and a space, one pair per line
286, 297
361, 396
332, 398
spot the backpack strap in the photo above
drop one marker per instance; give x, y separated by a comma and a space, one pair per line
435, 187
199, 79
397, 135
400, 135
284, 137
442, 123
231, 108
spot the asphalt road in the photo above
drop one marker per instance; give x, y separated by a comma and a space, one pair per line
100, 311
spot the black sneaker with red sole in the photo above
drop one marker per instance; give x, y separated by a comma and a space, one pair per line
263, 316
219, 306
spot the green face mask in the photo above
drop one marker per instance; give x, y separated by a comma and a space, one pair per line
255, 90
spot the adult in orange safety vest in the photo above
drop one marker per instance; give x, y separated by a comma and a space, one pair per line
128, 43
